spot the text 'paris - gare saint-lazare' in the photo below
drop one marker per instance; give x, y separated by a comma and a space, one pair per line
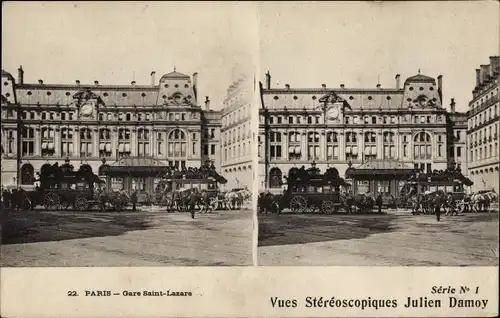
455, 301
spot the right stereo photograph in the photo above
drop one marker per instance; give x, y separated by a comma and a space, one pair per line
378, 142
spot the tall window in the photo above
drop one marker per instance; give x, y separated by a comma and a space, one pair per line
143, 145
422, 147
294, 146
370, 145
160, 142
313, 146
275, 178
104, 143
48, 147
332, 146
176, 143
86, 143
66, 142
28, 141
124, 142
351, 146
11, 141
275, 150
389, 145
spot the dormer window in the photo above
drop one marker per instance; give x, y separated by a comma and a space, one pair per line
166, 85
176, 86
431, 88
411, 88
124, 94
186, 86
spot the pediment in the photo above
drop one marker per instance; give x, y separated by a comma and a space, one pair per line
86, 95
331, 98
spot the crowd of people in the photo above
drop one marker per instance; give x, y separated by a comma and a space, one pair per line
203, 172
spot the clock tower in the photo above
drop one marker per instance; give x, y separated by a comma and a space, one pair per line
87, 103
333, 107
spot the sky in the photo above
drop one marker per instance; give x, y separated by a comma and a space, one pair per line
110, 41
356, 44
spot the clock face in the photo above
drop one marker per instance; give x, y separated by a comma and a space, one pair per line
422, 101
333, 113
86, 110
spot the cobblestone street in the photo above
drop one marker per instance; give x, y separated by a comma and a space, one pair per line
142, 238
396, 238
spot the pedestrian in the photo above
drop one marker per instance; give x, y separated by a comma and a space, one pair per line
133, 199
379, 202
437, 207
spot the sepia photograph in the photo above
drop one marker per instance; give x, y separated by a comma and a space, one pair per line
126, 134
378, 133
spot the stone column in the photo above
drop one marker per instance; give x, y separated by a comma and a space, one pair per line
57, 142
380, 145
322, 145
341, 145
284, 145
76, 142
133, 142
304, 145
361, 145
153, 142
114, 142
96, 141
38, 142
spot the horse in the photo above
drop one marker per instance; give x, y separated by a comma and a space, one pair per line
268, 202
235, 199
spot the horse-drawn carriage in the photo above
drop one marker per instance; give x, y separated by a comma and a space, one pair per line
173, 193
308, 190
61, 187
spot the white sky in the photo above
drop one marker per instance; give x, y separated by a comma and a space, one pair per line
62, 42
308, 44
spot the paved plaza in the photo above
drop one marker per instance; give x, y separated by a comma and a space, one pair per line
143, 238
395, 238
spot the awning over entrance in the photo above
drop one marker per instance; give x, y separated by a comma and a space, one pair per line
379, 167
133, 166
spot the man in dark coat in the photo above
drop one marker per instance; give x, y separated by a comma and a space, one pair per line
437, 206
379, 202
133, 199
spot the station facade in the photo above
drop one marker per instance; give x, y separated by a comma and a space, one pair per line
343, 127
101, 124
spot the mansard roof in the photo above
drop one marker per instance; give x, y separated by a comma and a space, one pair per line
176, 75
420, 79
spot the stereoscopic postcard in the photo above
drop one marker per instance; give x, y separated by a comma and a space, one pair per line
250, 159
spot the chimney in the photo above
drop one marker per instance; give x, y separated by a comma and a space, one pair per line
342, 86
323, 86
478, 77
207, 103
268, 80
287, 86
133, 83
485, 71
440, 87
398, 81
195, 85
40, 81
378, 85
494, 65
77, 82
452, 105
96, 83
20, 75
153, 82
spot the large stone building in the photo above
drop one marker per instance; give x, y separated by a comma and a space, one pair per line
483, 127
236, 134
91, 124
404, 126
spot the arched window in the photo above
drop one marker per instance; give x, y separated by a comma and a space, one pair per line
389, 145
422, 149
332, 146
275, 178
27, 174
176, 143
313, 146
143, 147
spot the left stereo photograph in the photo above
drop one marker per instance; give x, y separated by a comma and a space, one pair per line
127, 141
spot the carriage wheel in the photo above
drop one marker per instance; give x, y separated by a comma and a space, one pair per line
213, 203
298, 204
51, 201
327, 207
81, 204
